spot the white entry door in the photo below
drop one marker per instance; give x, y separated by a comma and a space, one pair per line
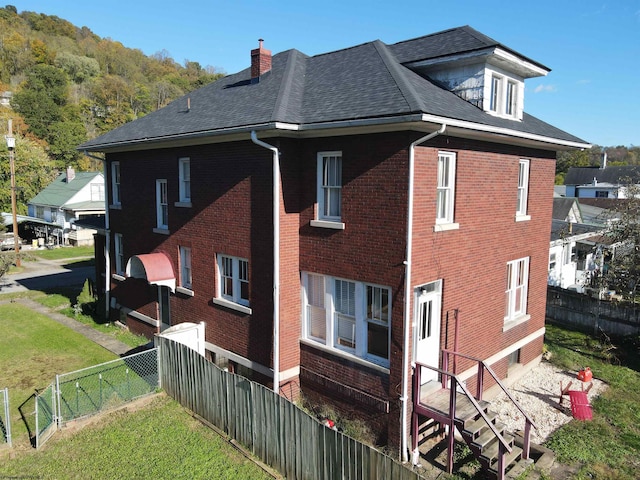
427, 329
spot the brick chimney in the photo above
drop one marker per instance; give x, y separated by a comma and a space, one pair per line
260, 62
71, 174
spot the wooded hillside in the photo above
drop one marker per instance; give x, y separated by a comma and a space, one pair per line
64, 85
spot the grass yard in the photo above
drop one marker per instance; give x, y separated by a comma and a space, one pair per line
160, 440
63, 252
609, 446
33, 349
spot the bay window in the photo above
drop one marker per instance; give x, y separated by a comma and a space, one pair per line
348, 316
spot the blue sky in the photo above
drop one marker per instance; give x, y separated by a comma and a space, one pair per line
592, 47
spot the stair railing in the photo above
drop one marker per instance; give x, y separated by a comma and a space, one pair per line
456, 383
482, 366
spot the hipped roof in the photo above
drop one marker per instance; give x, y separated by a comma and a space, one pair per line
364, 83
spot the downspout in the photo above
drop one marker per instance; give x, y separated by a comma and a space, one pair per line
407, 293
107, 240
276, 259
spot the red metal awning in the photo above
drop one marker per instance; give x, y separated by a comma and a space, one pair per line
155, 268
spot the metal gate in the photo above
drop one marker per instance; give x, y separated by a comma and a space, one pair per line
38, 415
45, 415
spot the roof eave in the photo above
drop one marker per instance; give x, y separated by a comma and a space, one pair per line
415, 121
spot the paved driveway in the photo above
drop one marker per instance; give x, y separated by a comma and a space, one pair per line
46, 274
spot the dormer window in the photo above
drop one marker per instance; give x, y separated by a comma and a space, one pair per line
504, 98
511, 103
496, 87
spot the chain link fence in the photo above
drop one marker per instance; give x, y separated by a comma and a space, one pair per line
5, 419
105, 386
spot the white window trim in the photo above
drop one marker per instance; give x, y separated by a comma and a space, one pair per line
512, 291
160, 204
185, 263
185, 200
524, 168
322, 220
447, 222
119, 254
499, 104
234, 299
329, 343
116, 191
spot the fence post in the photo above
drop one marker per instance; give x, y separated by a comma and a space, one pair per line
57, 408
7, 418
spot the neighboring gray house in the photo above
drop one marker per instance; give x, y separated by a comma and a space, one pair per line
70, 197
600, 182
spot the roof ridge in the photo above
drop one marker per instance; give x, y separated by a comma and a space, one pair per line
281, 105
394, 68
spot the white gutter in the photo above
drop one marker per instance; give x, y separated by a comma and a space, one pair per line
508, 132
276, 259
406, 317
107, 244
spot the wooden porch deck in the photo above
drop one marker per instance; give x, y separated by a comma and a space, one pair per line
436, 401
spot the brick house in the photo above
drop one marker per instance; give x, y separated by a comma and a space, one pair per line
334, 219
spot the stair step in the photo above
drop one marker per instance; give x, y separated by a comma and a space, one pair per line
474, 426
509, 458
490, 451
488, 435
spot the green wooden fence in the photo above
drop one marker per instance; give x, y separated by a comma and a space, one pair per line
275, 430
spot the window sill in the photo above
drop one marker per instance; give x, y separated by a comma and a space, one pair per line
185, 291
232, 305
443, 227
508, 325
346, 355
161, 231
115, 206
522, 218
327, 224
183, 204
118, 277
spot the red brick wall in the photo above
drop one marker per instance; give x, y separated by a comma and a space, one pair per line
230, 214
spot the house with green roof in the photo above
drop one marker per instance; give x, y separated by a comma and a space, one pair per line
70, 197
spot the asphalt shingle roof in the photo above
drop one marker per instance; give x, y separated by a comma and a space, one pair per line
59, 192
367, 81
614, 175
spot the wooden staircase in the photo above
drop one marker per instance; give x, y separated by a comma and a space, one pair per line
484, 443
457, 409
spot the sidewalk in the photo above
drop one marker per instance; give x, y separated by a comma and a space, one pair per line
107, 341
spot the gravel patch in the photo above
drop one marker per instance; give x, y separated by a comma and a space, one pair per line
538, 392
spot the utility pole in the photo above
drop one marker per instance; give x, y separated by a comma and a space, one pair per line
11, 145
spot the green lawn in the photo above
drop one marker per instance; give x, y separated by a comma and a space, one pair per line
160, 441
609, 446
63, 252
33, 349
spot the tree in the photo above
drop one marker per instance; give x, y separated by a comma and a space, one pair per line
622, 265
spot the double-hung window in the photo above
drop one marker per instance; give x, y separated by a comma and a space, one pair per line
350, 317
119, 253
511, 103
496, 93
516, 291
523, 189
115, 183
162, 205
233, 279
330, 186
445, 196
184, 178
185, 267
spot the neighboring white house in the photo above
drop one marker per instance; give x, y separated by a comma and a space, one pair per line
573, 254
70, 197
